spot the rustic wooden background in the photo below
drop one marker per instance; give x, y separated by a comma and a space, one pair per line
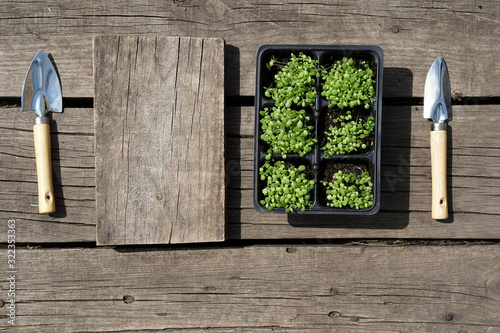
276, 273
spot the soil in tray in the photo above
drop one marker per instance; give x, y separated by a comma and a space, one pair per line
326, 120
329, 168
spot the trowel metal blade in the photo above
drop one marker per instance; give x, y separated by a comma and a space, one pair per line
41, 88
437, 98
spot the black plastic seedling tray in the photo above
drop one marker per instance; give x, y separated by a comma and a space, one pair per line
316, 162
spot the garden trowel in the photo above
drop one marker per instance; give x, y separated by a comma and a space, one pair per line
437, 108
42, 94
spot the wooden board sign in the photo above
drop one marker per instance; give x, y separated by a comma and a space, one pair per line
159, 139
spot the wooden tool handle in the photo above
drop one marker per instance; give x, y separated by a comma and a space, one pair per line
46, 203
439, 187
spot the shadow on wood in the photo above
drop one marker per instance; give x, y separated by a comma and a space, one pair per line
233, 178
395, 168
449, 167
232, 70
232, 129
56, 173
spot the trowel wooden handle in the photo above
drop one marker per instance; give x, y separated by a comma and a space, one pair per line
46, 203
438, 163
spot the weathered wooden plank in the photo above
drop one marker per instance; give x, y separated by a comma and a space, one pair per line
72, 146
269, 289
473, 177
412, 35
159, 123
73, 165
246, 223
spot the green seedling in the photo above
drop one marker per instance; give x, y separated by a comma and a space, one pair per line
285, 127
287, 186
295, 83
286, 131
347, 135
347, 189
348, 86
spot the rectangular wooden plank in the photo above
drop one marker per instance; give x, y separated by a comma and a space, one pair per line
159, 128
412, 35
294, 288
473, 178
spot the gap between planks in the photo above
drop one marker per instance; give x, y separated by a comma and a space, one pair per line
236, 101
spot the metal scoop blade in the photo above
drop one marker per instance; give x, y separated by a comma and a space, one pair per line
41, 89
437, 97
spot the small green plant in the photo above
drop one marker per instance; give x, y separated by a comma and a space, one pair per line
347, 189
347, 134
348, 86
286, 131
287, 186
295, 82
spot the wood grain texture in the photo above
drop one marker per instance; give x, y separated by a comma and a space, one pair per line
347, 288
159, 126
73, 170
46, 202
412, 34
473, 178
439, 179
